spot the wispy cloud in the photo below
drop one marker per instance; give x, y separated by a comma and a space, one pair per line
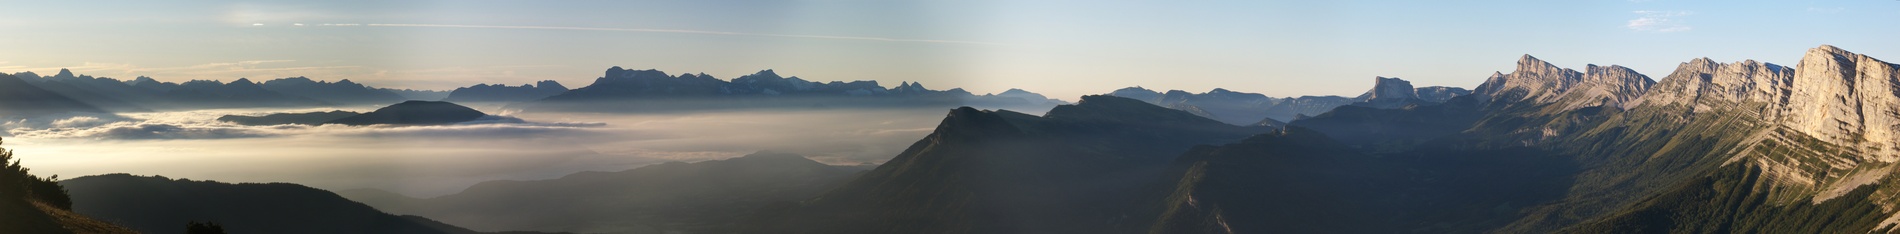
684, 31
209, 71
1659, 21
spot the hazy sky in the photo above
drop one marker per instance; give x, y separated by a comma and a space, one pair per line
1061, 48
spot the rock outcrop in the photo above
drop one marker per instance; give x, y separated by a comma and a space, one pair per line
1536, 82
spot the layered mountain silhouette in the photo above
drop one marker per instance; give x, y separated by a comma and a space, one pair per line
1072, 170
343, 92
622, 90
147, 94
153, 204
504, 93
700, 197
19, 100
1252, 109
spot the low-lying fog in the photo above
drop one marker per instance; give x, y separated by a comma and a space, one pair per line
426, 161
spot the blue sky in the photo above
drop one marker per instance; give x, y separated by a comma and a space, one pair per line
1061, 48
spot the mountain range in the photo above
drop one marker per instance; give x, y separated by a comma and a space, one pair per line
504, 93
1714, 147
1740, 147
623, 90
1241, 108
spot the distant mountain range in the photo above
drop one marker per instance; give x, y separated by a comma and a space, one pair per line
622, 90
147, 94
504, 93
1246, 109
19, 99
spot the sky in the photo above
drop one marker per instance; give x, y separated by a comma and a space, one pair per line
1060, 48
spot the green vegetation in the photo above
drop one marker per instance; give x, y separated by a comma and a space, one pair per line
1732, 200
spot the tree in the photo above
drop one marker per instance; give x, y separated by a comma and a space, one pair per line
16, 182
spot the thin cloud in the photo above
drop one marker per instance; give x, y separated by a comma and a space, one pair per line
1659, 21
682, 31
1826, 10
212, 71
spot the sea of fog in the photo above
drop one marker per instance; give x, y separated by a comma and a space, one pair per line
427, 161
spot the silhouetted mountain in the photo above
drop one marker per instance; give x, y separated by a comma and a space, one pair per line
164, 205
1073, 170
21, 100
700, 197
105, 93
504, 93
621, 90
414, 113
1230, 107
342, 92
425, 95
311, 118
147, 94
1252, 109
1389, 93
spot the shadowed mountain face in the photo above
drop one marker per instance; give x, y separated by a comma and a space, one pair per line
21, 100
701, 197
414, 113
341, 92
162, 205
1252, 109
1299, 181
147, 94
1070, 171
504, 93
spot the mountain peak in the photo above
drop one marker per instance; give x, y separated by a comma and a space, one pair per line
1104, 108
1540, 82
1528, 60
63, 73
767, 73
1828, 49
1391, 88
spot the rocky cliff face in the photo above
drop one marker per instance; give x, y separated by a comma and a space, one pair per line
1392, 92
1845, 97
1536, 82
1390, 88
1835, 96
